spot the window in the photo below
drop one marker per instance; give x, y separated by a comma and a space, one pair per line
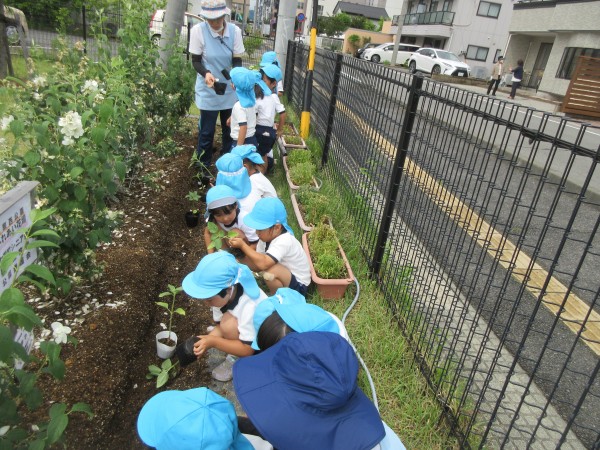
447, 6
570, 57
498, 53
488, 9
410, 7
433, 6
477, 53
300, 5
320, 10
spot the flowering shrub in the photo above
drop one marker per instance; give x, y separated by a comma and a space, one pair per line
79, 131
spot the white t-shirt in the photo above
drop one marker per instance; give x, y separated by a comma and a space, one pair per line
247, 203
341, 326
280, 86
287, 251
239, 223
262, 185
197, 40
266, 109
241, 115
258, 443
244, 313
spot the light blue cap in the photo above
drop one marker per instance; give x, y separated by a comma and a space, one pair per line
295, 312
244, 81
219, 196
272, 71
190, 420
232, 173
269, 58
218, 271
266, 89
266, 213
247, 151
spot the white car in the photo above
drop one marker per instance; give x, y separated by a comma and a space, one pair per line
385, 51
17, 22
156, 25
435, 61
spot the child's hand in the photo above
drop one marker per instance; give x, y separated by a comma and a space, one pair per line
236, 242
202, 345
209, 79
228, 123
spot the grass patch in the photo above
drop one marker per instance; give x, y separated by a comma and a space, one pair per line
406, 403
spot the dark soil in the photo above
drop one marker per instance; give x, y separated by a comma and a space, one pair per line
108, 368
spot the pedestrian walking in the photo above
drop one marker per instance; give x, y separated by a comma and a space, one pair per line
496, 76
517, 77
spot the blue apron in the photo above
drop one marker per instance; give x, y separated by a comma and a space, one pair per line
216, 57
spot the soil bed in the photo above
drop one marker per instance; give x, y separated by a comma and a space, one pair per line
108, 368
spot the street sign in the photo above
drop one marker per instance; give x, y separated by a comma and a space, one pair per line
301, 17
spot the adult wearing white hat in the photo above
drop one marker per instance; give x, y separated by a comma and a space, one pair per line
216, 47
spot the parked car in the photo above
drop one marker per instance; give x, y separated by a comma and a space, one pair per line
435, 61
12, 29
361, 50
156, 25
385, 51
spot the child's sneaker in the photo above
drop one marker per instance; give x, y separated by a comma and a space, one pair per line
224, 371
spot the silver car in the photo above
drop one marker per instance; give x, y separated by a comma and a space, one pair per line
156, 26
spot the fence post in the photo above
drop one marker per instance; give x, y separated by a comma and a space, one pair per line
332, 104
400, 158
289, 70
84, 29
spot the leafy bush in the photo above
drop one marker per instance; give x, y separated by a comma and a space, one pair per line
252, 44
315, 206
324, 252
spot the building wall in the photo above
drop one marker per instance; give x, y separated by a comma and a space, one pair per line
376, 38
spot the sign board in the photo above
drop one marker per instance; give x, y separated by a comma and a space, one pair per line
15, 210
301, 17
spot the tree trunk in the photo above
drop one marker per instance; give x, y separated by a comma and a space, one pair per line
4, 55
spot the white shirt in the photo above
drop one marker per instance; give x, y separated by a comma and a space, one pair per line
262, 185
288, 251
247, 203
280, 86
266, 108
244, 313
197, 40
241, 115
239, 223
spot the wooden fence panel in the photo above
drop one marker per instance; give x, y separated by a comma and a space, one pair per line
583, 95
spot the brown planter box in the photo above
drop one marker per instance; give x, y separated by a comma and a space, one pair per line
330, 289
294, 187
289, 145
298, 213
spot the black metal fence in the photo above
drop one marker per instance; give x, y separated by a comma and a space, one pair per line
85, 24
479, 218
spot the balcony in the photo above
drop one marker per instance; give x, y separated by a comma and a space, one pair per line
430, 18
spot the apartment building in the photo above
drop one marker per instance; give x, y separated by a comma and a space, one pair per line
549, 36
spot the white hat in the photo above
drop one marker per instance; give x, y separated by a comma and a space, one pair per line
213, 9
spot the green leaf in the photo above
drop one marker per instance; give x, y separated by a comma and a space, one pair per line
85, 116
212, 227
80, 192
45, 232
76, 171
162, 379
154, 370
6, 349
17, 127
32, 158
40, 214
106, 111
163, 294
51, 172
163, 305
39, 243
26, 279
42, 272
83, 407
23, 316
39, 444
166, 364
121, 170
7, 261
11, 297
98, 134
58, 422
180, 311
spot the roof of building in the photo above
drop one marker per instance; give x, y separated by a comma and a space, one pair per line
370, 12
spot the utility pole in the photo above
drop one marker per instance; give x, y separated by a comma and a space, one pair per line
286, 15
171, 29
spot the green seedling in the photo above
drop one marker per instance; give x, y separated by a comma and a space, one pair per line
173, 291
161, 373
193, 197
218, 235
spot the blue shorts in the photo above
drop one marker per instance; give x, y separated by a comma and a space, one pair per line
297, 286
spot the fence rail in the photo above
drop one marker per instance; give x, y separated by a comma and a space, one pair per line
479, 219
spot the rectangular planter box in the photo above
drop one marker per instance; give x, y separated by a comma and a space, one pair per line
290, 145
316, 183
330, 289
298, 213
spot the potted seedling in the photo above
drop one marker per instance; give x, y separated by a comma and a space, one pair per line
329, 267
193, 215
166, 340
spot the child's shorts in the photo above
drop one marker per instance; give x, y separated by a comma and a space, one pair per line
251, 140
265, 136
297, 286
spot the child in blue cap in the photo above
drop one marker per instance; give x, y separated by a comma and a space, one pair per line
243, 114
287, 312
223, 209
303, 393
232, 173
267, 106
221, 282
270, 58
194, 419
253, 163
278, 253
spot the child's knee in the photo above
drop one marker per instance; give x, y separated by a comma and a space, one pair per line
229, 326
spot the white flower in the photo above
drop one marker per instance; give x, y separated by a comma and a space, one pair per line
39, 82
89, 87
71, 127
6, 122
60, 332
99, 98
37, 96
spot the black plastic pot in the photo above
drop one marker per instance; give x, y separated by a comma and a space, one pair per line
192, 218
185, 351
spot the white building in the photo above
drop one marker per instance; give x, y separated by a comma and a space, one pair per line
549, 36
